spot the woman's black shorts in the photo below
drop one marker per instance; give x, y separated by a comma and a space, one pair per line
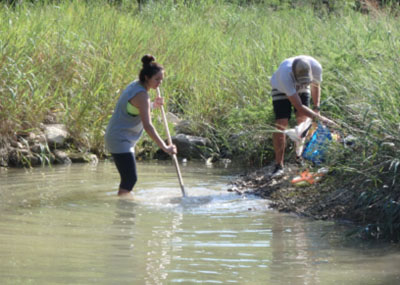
126, 165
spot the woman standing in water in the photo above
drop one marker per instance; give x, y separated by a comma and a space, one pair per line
132, 115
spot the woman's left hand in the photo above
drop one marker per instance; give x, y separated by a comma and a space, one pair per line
158, 102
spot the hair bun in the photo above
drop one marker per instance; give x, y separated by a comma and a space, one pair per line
147, 59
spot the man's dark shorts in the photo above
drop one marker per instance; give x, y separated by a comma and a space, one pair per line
283, 107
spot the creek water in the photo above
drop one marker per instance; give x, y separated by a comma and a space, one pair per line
65, 225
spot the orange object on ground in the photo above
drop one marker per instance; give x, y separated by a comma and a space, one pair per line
307, 176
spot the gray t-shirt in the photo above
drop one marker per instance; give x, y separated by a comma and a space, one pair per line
124, 130
283, 78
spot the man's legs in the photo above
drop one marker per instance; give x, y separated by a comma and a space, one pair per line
300, 118
279, 141
282, 110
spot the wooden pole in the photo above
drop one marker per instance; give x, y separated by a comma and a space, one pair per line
174, 158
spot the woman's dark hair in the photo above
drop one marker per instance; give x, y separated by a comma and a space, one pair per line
150, 67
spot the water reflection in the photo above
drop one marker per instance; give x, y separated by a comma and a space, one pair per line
297, 251
124, 224
141, 244
120, 257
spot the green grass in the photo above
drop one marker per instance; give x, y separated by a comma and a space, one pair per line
72, 59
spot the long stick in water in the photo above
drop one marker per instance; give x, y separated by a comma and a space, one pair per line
174, 158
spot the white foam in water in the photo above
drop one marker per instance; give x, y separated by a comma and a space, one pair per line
200, 200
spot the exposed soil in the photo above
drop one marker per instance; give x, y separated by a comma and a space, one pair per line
317, 200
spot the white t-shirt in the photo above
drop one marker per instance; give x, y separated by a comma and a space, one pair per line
283, 78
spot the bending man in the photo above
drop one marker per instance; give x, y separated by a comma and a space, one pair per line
293, 83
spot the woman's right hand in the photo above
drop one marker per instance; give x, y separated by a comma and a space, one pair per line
171, 149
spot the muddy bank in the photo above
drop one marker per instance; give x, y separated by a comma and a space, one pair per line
318, 201
374, 214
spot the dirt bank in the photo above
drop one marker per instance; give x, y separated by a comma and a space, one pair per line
318, 201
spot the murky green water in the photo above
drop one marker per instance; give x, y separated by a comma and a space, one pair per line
65, 225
